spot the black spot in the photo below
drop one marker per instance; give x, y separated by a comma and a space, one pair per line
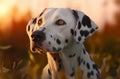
84, 51
96, 28
84, 62
79, 25
51, 36
66, 40
28, 27
59, 66
73, 55
86, 21
92, 30
88, 75
44, 29
34, 21
78, 60
81, 60
49, 42
88, 65
92, 73
84, 33
49, 72
75, 33
72, 74
95, 67
58, 41
75, 14
79, 38
72, 31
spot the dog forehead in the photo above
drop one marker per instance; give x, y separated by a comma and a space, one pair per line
49, 12
65, 11
57, 12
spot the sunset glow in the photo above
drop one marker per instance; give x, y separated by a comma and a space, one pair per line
5, 6
94, 8
36, 6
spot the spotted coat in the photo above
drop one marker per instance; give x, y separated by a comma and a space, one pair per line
60, 33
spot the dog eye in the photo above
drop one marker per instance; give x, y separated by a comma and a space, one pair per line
60, 22
40, 21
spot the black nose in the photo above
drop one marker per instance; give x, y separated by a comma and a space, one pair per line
38, 36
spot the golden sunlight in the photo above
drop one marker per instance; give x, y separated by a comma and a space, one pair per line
36, 6
3, 10
5, 13
94, 8
5, 6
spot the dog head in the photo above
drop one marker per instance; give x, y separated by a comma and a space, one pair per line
55, 28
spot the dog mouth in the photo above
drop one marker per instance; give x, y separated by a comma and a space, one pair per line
37, 48
40, 50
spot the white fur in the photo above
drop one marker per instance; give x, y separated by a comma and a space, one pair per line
72, 48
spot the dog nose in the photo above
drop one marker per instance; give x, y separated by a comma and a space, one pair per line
38, 36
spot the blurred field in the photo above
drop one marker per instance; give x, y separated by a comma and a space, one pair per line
16, 62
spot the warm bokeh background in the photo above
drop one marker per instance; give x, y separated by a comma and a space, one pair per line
16, 62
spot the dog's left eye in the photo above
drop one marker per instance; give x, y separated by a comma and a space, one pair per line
60, 22
40, 21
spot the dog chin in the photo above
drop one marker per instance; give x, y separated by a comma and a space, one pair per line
38, 50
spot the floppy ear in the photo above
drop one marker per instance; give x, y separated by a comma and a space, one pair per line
32, 22
84, 28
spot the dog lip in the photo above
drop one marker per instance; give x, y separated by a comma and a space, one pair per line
37, 48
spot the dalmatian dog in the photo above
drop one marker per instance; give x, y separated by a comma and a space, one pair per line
60, 33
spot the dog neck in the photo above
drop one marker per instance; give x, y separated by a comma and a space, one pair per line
72, 49
66, 60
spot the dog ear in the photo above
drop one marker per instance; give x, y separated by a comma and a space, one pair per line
32, 22
84, 28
